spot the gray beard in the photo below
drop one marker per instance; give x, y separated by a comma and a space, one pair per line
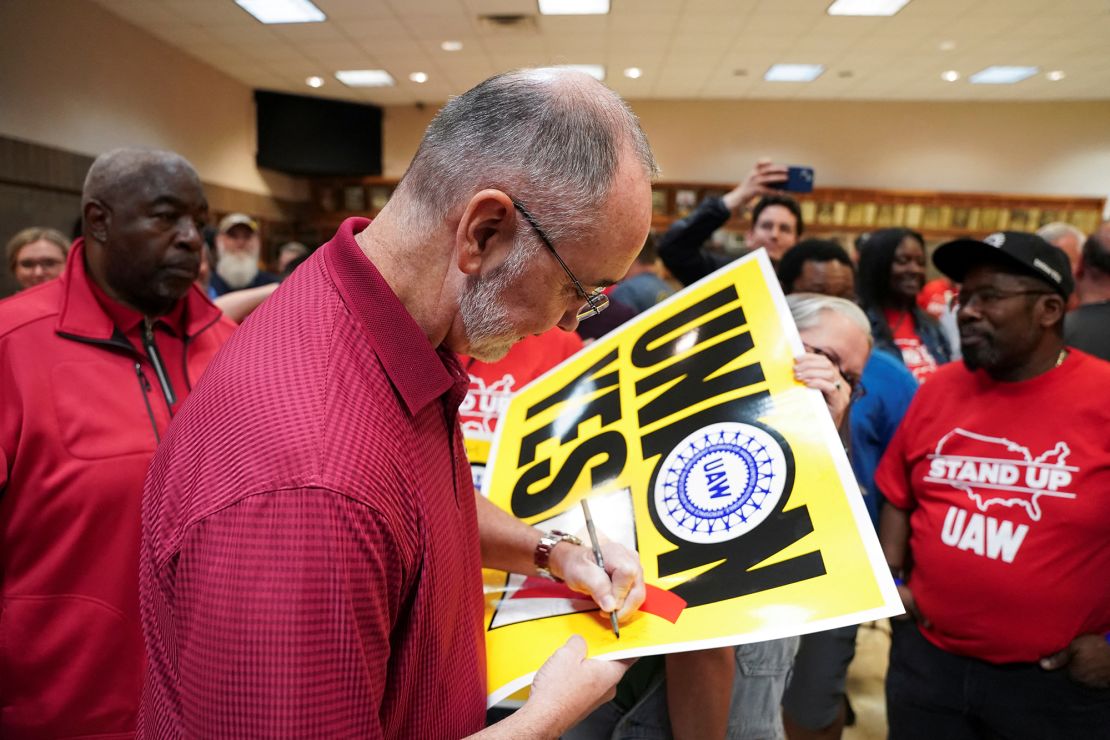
237, 270
488, 325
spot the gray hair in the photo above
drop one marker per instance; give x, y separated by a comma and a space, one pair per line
120, 170
293, 248
806, 308
549, 137
1056, 230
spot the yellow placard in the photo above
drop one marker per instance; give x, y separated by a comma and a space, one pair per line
696, 447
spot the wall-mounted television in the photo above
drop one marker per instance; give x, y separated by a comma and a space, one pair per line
303, 135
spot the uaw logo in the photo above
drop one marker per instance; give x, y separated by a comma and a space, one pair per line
720, 482
995, 471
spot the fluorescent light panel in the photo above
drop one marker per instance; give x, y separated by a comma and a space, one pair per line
597, 71
1002, 75
866, 7
283, 11
794, 72
364, 77
574, 7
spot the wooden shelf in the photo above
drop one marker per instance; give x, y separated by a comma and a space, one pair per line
826, 211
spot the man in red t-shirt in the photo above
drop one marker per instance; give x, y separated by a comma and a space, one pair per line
492, 384
999, 479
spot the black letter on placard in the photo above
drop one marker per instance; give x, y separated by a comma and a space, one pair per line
692, 372
607, 406
734, 576
610, 444
583, 385
644, 355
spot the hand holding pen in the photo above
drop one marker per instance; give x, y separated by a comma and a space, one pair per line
599, 558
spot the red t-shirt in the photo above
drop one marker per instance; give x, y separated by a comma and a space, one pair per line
1009, 489
310, 563
935, 297
492, 384
915, 354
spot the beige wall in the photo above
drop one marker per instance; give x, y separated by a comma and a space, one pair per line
75, 77
1060, 148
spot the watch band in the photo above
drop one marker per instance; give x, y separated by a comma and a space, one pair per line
542, 556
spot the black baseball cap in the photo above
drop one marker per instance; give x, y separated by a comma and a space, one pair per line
1027, 254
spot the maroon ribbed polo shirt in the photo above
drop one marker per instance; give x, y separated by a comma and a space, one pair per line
310, 561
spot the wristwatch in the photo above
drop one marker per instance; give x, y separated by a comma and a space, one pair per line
547, 543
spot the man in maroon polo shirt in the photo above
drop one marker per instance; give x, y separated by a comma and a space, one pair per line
312, 542
92, 367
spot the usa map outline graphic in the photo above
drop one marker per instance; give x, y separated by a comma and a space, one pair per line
1030, 502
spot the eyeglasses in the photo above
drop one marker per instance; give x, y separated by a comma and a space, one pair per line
596, 301
46, 263
855, 383
988, 297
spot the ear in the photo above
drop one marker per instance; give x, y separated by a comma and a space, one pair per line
98, 220
1052, 309
486, 231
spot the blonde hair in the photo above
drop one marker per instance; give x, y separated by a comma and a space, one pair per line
31, 235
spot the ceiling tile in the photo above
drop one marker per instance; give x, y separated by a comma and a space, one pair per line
687, 49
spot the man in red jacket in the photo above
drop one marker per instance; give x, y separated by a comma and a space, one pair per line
93, 366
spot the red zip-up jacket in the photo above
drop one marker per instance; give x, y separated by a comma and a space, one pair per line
81, 411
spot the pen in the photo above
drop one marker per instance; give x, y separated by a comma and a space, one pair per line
597, 556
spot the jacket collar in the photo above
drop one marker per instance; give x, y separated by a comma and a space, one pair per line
416, 369
81, 314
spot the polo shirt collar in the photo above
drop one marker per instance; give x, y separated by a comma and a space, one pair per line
86, 315
419, 372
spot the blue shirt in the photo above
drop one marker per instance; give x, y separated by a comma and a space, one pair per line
642, 291
890, 388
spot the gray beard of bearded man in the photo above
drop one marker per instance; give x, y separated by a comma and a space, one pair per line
237, 269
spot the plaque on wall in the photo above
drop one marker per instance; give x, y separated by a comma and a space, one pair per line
379, 196
354, 198
684, 202
659, 202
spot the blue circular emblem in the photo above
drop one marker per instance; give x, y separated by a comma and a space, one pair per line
720, 482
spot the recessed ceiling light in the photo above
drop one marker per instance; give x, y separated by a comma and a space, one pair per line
866, 7
314, 81
634, 73
364, 77
1055, 75
574, 7
283, 11
451, 46
794, 72
950, 76
596, 71
1002, 75
947, 45
419, 77
845, 74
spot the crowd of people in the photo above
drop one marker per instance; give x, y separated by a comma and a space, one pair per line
296, 551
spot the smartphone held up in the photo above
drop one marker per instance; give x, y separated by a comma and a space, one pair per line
798, 180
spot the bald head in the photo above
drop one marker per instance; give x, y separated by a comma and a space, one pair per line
123, 170
553, 138
143, 211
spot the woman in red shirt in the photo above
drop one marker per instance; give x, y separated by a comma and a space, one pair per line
891, 274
